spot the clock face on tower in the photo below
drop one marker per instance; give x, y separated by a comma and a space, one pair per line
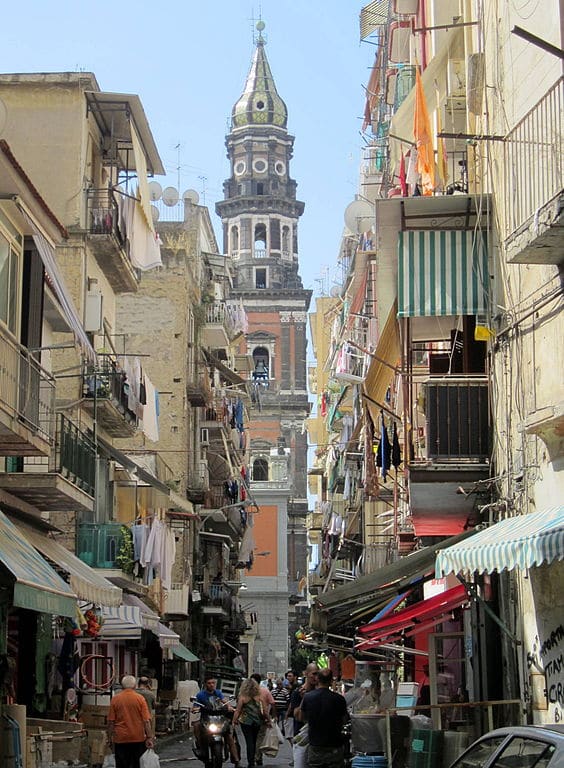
240, 168
280, 167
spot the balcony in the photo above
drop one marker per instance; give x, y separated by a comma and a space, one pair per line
106, 240
107, 398
351, 365
534, 196
216, 601
177, 598
27, 398
198, 390
98, 544
223, 321
63, 482
457, 416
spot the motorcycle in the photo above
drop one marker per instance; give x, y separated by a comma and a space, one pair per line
215, 722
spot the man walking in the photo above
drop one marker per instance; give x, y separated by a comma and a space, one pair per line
129, 725
296, 698
325, 712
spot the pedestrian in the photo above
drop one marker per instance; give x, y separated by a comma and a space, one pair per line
129, 725
325, 713
297, 695
250, 714
268, 708
290, 680
281, 698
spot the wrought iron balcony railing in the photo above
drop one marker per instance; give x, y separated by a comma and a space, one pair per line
27, 392
534, 160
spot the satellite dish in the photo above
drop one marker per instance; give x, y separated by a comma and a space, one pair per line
191, 196
335, 291
359, 216
170, 196
155, 190
155, 213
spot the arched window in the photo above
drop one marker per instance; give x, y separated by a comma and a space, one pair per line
286, 239
234, 239
260, 241
261, 370
260, 469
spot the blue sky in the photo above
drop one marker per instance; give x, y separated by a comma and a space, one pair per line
188, 62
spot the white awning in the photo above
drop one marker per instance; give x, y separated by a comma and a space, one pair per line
47, 253
84, 581
123, 622
167, 637
517, 542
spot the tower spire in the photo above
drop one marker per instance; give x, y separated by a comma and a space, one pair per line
259, 103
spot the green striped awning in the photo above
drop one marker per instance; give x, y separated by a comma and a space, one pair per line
442, 272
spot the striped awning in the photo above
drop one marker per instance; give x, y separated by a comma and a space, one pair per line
123, 622
442, 272
167, 637
372, 16
517, 542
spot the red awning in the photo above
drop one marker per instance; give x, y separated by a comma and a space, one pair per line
410, 621
440, 525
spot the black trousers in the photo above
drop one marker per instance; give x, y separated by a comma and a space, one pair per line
129, 753
250, 732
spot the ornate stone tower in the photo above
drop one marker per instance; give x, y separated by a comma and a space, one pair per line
260, 216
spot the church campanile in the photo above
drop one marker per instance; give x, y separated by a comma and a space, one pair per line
260, 215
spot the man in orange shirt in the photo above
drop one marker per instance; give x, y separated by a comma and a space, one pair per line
129, 725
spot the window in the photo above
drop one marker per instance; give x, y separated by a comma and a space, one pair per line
260, 469
260, 278
259, 165
260, 188
260, 241
240, 168
9, 284
525, 753
261, 372
234, 239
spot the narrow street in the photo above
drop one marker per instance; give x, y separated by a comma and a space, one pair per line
178, 754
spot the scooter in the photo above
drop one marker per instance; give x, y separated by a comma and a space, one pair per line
216, 724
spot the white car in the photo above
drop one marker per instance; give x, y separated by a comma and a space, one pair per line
527, 746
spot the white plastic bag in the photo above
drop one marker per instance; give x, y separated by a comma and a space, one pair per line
279, 733
149, 759
109, 761
269, 745
299, 753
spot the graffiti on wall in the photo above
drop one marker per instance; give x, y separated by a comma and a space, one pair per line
547, 656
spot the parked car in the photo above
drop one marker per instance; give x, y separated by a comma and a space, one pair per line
528, 746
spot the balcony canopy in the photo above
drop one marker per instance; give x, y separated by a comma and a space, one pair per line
84, 581
37, 586
442, 272
516, 542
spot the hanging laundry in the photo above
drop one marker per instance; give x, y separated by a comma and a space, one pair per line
383, 455
396, 450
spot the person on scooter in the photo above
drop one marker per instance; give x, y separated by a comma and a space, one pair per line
209, 698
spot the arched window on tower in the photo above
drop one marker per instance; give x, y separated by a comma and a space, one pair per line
234, 240
260, 469
261, 372
260, 241
286, 241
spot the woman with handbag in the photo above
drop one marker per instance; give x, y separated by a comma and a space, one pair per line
249, 713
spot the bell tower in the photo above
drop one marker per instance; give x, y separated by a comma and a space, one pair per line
260, 215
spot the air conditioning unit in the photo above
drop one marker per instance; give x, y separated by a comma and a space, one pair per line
456, 78
204, 436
